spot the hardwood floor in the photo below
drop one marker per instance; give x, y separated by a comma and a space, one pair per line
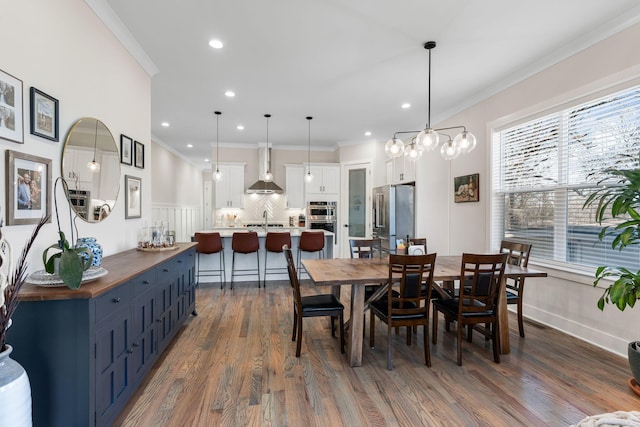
234, 364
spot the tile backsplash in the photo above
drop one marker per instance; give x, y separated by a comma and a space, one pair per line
254, 206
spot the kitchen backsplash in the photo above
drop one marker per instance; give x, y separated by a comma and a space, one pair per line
254, 206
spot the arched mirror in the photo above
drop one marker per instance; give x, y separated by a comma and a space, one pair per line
91, 167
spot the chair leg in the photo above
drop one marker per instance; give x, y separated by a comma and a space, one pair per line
295, 325
459, 331
341, 319
409, 335
233, 263
496, 342
520, 320
223, 273
258, 261
427, 350
299, 341
389, 367
434, 326
470, 333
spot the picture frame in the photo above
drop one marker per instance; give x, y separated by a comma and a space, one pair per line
28, 188
11, 110
126, 150
139, 154
466, 188
44, 115
132, 197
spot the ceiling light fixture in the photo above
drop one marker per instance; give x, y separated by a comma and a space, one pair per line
405, 105
230, 93
309, 177
216, 44
94, 166
367, 133
428, 138
165, 124
217, 175
268, 176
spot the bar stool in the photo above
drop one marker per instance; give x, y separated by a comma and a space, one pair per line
245, 243
310, 241
210, 243
273, 243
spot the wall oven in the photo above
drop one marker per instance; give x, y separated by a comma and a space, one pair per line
323, 216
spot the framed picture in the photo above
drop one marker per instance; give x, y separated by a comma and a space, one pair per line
466, 188
44, 115
126, 150
11, 121
28, 188
139, 155
132, 197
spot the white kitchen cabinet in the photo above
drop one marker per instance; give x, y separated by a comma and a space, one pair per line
401, 170
230, 189
326, 181
294, 186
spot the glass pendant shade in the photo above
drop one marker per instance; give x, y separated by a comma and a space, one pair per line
308, 177
93, 166
394, 147
217, 175
449, 150
427, 139
268, 176
413, 153
466, 141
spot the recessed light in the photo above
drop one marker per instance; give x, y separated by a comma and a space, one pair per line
189, 145
240, 127
165, 124
230, 93
216, 44
367, 133
406, 105
206, 160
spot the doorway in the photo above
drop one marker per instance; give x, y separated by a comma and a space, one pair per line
355, 204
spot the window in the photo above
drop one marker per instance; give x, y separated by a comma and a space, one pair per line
544, 169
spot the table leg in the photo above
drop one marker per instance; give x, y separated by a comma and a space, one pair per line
503, 318
354, 351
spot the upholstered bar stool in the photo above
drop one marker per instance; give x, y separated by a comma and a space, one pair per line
273, 243
310, 241
245, 243
210, 243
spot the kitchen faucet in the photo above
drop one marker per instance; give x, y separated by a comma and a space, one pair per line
265, 215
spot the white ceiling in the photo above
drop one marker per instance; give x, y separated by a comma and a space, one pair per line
348, 63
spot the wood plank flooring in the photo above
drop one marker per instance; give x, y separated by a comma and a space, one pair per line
234, 365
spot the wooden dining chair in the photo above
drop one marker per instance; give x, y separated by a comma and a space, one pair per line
478, 301
411, 305
311, 305
517, 254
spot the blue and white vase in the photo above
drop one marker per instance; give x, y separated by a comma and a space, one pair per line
95, 248
15, 392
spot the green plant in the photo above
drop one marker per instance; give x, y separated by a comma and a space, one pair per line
68, 262
621, 201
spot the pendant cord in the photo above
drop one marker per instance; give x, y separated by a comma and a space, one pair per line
429, 94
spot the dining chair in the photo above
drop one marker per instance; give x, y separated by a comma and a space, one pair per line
310, 241
273, 243
517, 254
245, 243
210, 243
311, 306
411, 306
477, 302
366, 248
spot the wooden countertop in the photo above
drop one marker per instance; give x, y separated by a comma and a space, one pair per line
121, 267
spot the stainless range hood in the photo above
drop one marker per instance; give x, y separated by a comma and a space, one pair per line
261, 186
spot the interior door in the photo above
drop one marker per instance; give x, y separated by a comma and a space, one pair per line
355, 215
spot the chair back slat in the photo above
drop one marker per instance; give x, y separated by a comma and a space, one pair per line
483, 274
410, 271
517, 254
365, 248
293, 275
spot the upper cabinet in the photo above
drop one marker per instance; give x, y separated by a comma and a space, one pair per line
294, 186
325, 182
401, 170
230, 189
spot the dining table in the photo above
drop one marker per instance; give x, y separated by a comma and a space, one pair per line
359, 272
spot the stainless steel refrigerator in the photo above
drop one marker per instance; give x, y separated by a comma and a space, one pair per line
393, 214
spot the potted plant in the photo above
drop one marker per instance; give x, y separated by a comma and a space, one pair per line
620, 201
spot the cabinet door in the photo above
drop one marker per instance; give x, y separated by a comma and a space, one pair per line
331, 179
230, 189
144, 345
295, 187
167, 307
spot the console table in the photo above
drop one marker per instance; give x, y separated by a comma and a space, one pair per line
86, 351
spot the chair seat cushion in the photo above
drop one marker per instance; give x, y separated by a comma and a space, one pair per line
512, 297
450, 306
382, 305
320, 303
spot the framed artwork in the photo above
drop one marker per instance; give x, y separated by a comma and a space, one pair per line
132, 197
126, 150
139, 154
28, 188
44, 115
466, 188
11, 120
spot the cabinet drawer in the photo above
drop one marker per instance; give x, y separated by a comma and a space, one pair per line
114, 300
142, 283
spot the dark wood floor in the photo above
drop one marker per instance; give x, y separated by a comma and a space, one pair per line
234, 364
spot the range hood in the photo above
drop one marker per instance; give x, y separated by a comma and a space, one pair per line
261, 186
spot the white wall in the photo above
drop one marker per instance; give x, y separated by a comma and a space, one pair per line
64, 50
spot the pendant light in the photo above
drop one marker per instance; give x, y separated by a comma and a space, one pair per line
94, 166
268, 176
308, 177
217, 175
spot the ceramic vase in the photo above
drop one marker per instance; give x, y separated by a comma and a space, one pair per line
15, 392
634, 359
96, 249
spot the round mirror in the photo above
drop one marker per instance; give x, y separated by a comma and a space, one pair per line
91, 167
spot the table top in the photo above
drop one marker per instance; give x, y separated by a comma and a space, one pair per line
356, 271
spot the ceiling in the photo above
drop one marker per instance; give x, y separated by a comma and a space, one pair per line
348, 63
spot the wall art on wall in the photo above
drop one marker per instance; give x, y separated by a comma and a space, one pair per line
126, 150
44, 115
466, 188
28, 188
139, 155
132, 197
11, 120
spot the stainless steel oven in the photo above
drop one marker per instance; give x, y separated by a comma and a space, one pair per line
323, 216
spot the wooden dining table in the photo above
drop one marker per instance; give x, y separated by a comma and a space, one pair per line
359, 272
